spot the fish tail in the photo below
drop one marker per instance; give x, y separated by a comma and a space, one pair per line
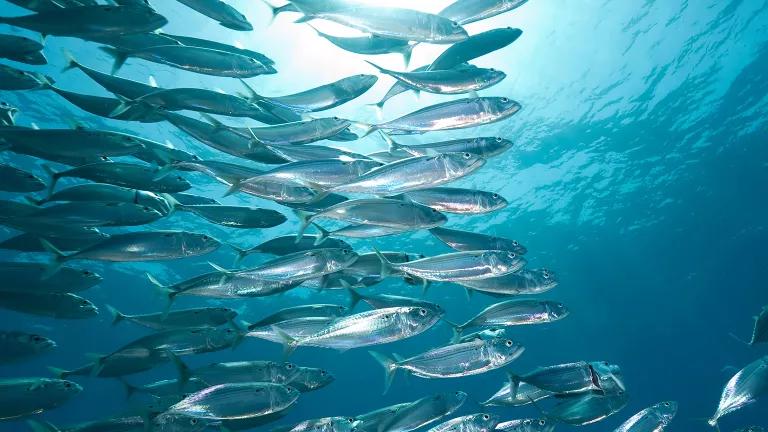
71, 61
59, 373
42, 426
378, 68
56, 262
117, 316
289, 343
273, 11
713, 422
457, 331
366, 129
514, 384
241, 254
390, 367
354, 296
118, 55
130, 389
54, 178
185, 373
305, 218
324, 233
34, 201
406, 52
739, 339
394, 146
233, 188
165, 290
386, 265
378, 108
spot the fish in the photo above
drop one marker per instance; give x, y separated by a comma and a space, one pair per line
49, 143
241, 371
85, 21
305, 311
232, 401
313, 152
579, 410
308, 379
524, 282
191, 199
451, 81
652, 419
469, 11
127, 175
224, 139
484, 147
321, 172
178, 319
302, 265
395, 23
455, 114
295, 328
106, 107
382, 301
68, 242
301, 132
205, 43
363, 231
422, 412
134, 41
742, 389
17, 79
325, 424
466, 240
95, 214
287, 244
515, 312
373, 327
459, 266
26, 396
191, 99
470, 423
457, 200
452, 361
48, 5
17, 346
568, 378
526, 394
413, 173
485, 334
26, 277
52, 304
382, 212
122, 87
370, 421
15, 180
526, 425
370, 45
751, 429
224, 284
107, 193
21, 49
236, 216
141, 246
7, 113
760, 332
193, 59
117, 424
217, 10
327, 96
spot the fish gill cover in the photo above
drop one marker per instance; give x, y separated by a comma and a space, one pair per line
350, 215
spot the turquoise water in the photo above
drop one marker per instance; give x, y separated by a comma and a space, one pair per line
638, 174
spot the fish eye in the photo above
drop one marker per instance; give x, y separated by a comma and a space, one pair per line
455, 24
193, 421
36, 338
179, 178
434, 210
542, 422
86, 272
467, 155
323, 373
486, 417
515, 243
508, 343
458, 393
84, 303
498, 139
495, 196
545, 274
336, 118
205, 237
289, 366
666, 404
620, 392
67, 385
423, 312
504, 100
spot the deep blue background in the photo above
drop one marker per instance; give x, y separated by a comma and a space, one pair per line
639, 176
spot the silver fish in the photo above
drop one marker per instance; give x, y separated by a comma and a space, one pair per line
457, 200
106, 107
325, 424
308, 379
312, 152
466, 240
27, 277
21, 49
243, 371
414, 173
451, 361
177, 319
329, 95
107, 193
370, 45
469, 11
363, 231
526, 425
303, 265
219, 11
118, 424
194, 59
295, 328
25, 396
48, 5
452, 81
233, 401
568, 378
30, 242
53, 305
305, 311
458, 266
70, 142
191, 99
652, 419
589, 408
515, 312
87, 21
301, 132
16, 346
321, 172
17, 79
224, 284
383, 212
191, 199
205, 43
470, 423
95, 214
16, 180
760, 332
422, 412
370, 421
484, 147
521, 283
123, 174
485, 334
284, 245
382, 301
455, 114
236, 216
526, 394
743, 389
373, 327
395, 23
119, 86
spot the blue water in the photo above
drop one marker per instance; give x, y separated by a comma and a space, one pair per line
638, 174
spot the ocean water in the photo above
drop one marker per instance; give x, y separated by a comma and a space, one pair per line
638, 175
